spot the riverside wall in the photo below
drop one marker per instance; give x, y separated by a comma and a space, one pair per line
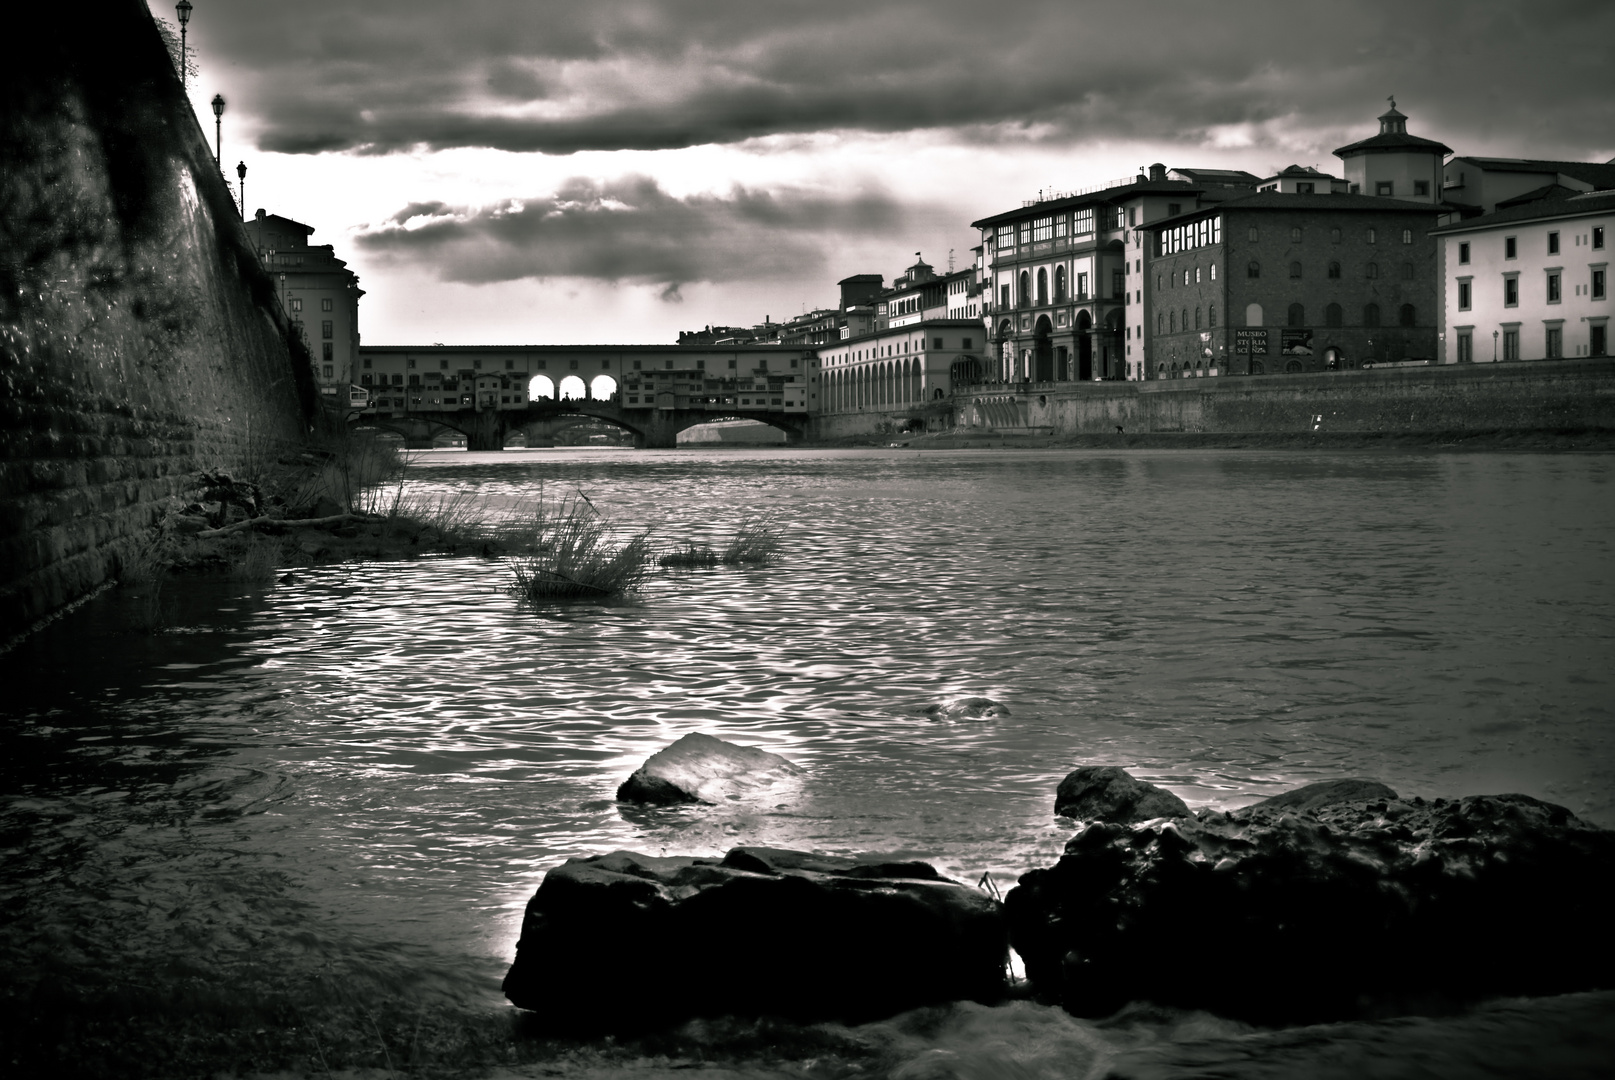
140, 340
1576, 395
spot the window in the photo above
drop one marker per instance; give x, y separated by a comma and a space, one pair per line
1252, 234
1466, 347
1025, 297
1334, 270
966, 344
1598, 339
1003, 300
1511, 291
1197, 275
1083, 223
1295, 236
1160, 324
1172, 322
1463, 253
1297, 315
327, 370
1253, 269
1334, 235
1406, 315
1510, 249
1185, 278
1463, 296
1173, 209
1553, 287
325, 304
367, 363
1295, 269
1598, 284
326, 351
1511, 344
1598, 236
1118, 285
1370, 314
1211, 316
1373, 271
1213, 271
1042, 286
411, 362
1043, 228
1304, 189
1407, 271
1025, 232
1421, 187
398, 380
1062, 224
365, 379
1006, 237
1059, 284
297, 303
1553, 243
1082, 285
1373, 236
1197, 318
1554, 345
1332, 315
1383, 187
1407, 236
325, 328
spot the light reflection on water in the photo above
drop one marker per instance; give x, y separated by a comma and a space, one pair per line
382, 754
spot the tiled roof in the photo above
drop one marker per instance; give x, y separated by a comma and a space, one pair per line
1284, 200
1392, 141
1108, 195
1600, 175
1546, 191
1591, 202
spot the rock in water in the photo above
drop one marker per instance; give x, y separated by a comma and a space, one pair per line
699, 768
1107, 793
1327, 793
621, 940
1275, 916
967, 708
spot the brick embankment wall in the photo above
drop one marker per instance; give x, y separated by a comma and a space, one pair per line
139, 338
1576, 395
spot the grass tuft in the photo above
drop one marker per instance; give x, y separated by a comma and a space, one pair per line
757, 542
690, 556
573, 554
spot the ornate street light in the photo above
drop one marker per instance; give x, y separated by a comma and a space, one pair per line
218, 125
241, 172
1494, 346
184, 10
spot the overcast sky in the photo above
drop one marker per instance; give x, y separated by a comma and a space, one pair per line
528, 171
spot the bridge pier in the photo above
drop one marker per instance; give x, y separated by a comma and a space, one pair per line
486, 431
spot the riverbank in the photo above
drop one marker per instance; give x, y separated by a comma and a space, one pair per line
1580, 441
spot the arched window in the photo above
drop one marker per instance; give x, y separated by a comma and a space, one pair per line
1253, 269
1211, 315
1334, 234
1059, 284
1334, 270
1405, 316
1185, 322
1407, 271
1292, 367
1026, 288
1160, 323
1297, 315
1253, 314
1172, 322
1407, 236
1213, 271
1371, 315
1042, 286
1258, 368
1197, 318
1332, 315
1373, 270
1295, 269
1295, 236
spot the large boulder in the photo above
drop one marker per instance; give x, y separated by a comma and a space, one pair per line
1347, 909
1108, 793
701, 769
967, 708
621, 940
1328, 793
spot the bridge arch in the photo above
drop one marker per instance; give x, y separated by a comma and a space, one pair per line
540, 387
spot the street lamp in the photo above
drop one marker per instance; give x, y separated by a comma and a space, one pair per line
184, 10
241, 172
218, 126
1494, 346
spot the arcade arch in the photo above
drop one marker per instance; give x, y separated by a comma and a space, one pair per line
541, 386
573, 388
602, 387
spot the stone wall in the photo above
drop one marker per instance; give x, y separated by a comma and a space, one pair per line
139, 338
1560, 395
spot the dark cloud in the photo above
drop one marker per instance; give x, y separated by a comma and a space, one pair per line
557, 76
631, 230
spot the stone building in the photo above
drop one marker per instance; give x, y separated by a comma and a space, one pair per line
898, 371
1275, 282
319, 294
1528, 282
1059, 278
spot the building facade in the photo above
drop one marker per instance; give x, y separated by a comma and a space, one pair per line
901, 369
1276, 282
319, 294
1528, 282
1395, 164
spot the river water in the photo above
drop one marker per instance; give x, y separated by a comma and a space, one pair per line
369, 767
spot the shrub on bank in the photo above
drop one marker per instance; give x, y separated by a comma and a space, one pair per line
572, 553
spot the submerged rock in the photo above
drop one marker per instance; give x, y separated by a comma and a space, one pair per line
699, 768
1277, 915
1328, 793
1108, 793
621, 940
967, 708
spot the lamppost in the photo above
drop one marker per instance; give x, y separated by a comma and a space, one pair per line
218, 126
1494, 346
241, 172
183, 8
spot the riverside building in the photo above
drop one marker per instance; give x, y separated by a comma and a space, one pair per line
321, 297
1530, 281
